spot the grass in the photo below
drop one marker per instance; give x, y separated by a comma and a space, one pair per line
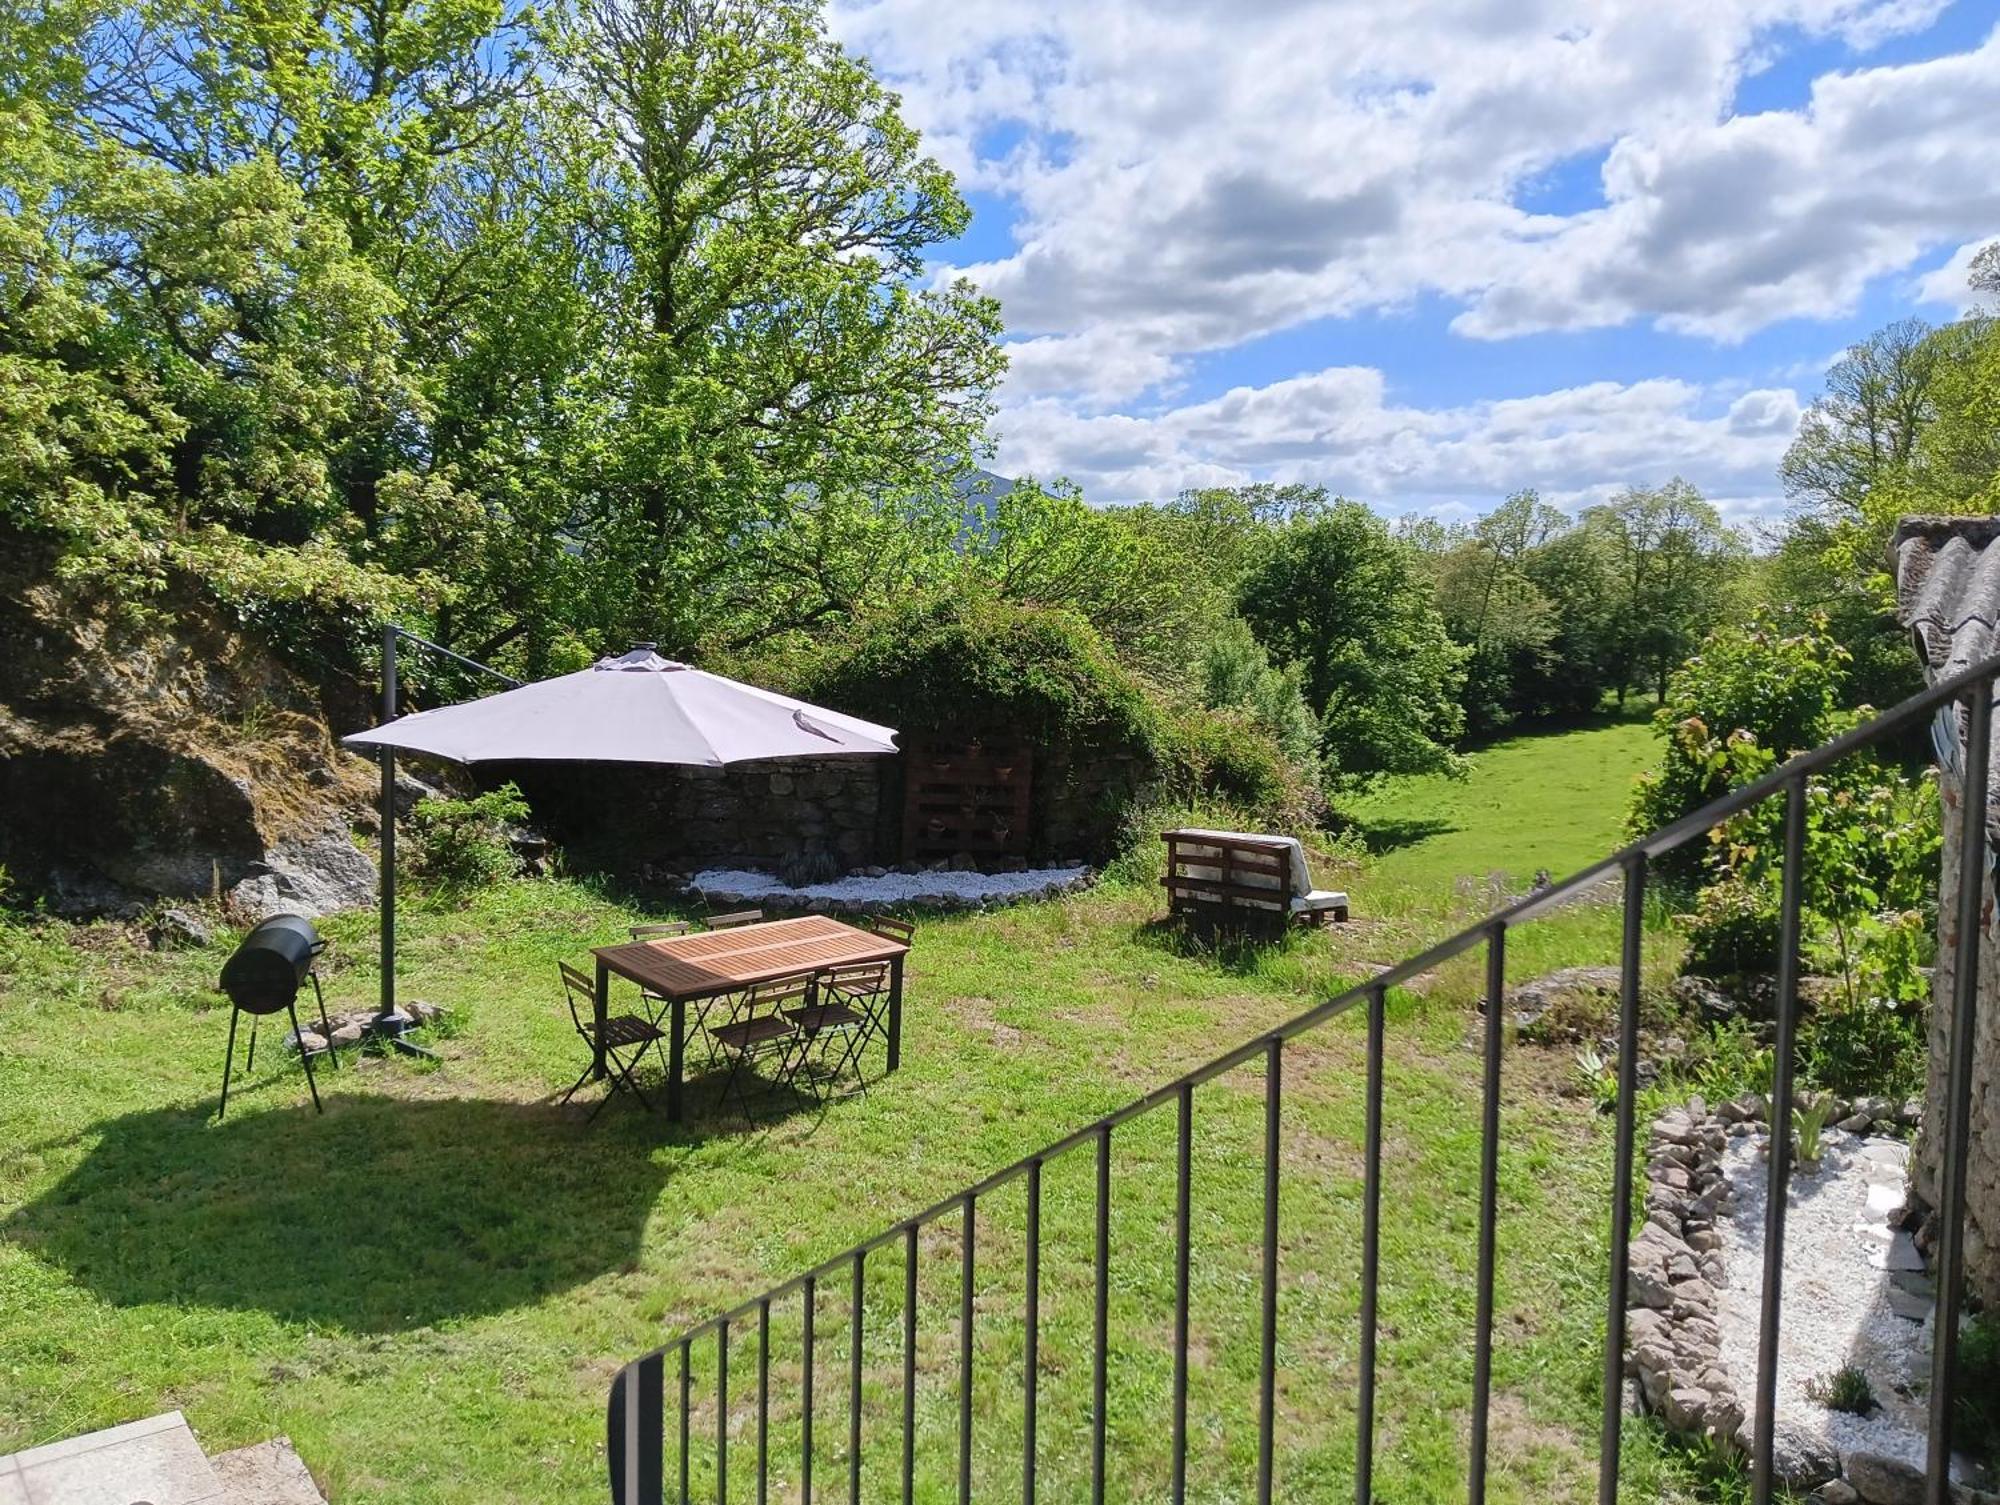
1553, 800
430, 1287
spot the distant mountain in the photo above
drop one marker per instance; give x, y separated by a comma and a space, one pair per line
981, 489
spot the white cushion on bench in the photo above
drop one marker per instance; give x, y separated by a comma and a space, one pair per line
1318, 899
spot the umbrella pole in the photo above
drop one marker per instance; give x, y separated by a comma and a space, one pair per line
390, 1024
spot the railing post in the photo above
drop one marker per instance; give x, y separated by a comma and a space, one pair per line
1371, 1250
1972, 865
909, 1362
763, 1397
1632, 947
1032, 1332
1100, 1318
722, 1413
1791, 901
686, 1344
806, 1396
1489, 1206
854, 1386
1267, 1364
965, 1278
1183, 1178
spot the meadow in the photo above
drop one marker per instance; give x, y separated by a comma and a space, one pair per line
430, 1286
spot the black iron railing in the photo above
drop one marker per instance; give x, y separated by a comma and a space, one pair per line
637, 1426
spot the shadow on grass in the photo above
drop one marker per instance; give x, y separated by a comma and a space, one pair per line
1234, 950
1383, 836
383, 1215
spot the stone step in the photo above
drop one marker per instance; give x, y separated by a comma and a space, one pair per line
156, 1461
266, 1473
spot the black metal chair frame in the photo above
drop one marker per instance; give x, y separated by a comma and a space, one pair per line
305, 1056
734, 918
627, 1032
849, 1010
751, 1035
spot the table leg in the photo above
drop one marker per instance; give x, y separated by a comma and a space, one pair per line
895, 1012
676, 1059
600, 1008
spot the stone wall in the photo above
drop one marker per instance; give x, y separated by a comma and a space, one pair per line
1080, 802
829, 814
1982, 1170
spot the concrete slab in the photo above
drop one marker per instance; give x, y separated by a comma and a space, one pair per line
151, 1462
266, 1473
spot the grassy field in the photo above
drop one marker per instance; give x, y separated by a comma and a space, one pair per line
1554, 801
430, 1286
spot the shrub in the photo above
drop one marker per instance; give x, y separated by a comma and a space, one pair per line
1759, 685
1976, 1416
1225, 755
1866, 1047
1732, 929
1237, 672
464, 843
979, 666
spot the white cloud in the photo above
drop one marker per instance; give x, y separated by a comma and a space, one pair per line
1339, 428
1190, 176
1950, 284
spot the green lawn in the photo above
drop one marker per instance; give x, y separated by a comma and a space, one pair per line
1545, 800
430, 1287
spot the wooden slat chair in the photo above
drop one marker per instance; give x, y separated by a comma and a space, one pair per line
889, 927
658, 930
734, 918
626, 1038
848, 1011
1234, 879
763, 1027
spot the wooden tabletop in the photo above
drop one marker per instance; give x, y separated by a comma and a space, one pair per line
721, 961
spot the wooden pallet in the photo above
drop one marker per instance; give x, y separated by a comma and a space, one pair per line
966, 796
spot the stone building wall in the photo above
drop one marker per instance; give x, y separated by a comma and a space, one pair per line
1948, 595
799, 818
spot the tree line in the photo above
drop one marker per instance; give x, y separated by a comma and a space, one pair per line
549, 329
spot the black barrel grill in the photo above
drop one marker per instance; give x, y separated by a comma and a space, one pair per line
263, 976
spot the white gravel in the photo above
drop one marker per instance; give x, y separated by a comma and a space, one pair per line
891, 888
1836, 1307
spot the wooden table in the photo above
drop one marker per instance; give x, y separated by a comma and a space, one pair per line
708, 963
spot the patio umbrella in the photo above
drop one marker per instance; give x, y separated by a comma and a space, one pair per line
634, 708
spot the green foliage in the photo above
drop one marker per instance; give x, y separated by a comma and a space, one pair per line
1336, 595
1753, 694
1976, 1420
1236, 673
1226, 754
425, 308
976, 665
1864, 1047
463, 844
1846, 1389
1727, 1062
1732, 929
1807, 1124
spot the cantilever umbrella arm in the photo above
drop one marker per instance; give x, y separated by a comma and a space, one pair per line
389, 1021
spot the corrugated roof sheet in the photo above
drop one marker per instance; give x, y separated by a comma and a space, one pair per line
1948, 596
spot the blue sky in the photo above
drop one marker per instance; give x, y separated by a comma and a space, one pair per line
1430, 253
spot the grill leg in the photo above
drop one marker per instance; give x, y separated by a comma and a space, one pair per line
326, 1029
305, 1058
228, 1062
250, 1062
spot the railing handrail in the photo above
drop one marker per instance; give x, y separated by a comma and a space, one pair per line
1668, 838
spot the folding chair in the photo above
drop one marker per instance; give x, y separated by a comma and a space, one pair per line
889, 927
622, 1032
734, 918
657, 931
763, 1027
845, 1013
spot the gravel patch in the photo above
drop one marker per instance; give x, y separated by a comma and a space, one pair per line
1839, 1252
890, 888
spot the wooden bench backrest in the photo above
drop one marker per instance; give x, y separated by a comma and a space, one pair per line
1238, 871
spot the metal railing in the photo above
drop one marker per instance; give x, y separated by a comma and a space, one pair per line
637, 1411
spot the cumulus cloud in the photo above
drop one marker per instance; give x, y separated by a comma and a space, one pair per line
1187, 177
1951, 283
1339, 428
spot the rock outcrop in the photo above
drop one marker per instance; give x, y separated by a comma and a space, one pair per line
164, 755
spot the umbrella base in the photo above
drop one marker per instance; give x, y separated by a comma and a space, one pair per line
391, 1028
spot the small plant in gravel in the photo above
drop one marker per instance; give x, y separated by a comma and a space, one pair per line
1846, 1389
1807, 1124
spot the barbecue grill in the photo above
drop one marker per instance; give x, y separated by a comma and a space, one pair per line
263, 976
